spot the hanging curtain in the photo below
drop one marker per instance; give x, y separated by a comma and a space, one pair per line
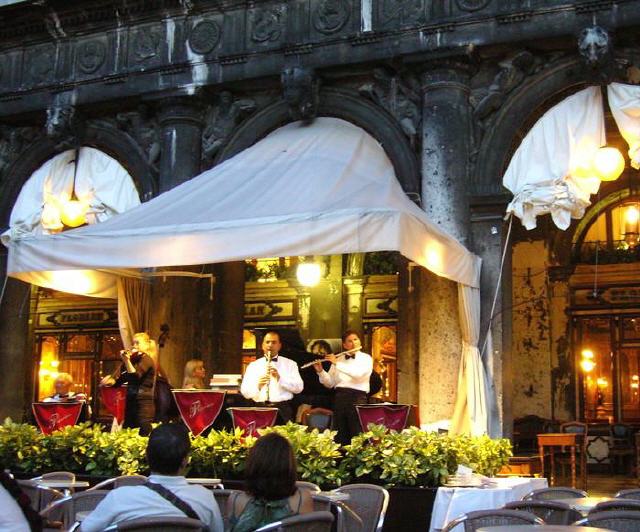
472, 409
624, 101
133, 307
551, 171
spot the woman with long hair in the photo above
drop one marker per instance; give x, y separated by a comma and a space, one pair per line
270, 486
194, 375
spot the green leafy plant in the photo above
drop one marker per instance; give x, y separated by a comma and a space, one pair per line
19, 446
221, 454
317, 453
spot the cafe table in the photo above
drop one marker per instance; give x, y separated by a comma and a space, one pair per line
584, 504
210, 482
541, 528
67, 486
452, 502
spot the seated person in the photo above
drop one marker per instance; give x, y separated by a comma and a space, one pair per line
17, 514
62, 386
270, 487
194, 375
166, 494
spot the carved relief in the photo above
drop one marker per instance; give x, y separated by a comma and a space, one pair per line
63, 125
472, 5
146, 43
268, 24
12, 142
594, 46
330, 16
41, 65
204, 37
301, 92
91, 56
400, 95
220, 121
402, 12
144, 129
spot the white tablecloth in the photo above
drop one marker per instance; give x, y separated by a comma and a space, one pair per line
454, 502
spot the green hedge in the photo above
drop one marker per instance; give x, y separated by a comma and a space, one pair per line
410, 458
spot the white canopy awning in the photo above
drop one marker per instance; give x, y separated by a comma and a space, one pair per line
319, 189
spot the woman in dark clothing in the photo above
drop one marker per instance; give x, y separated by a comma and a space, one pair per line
138, 372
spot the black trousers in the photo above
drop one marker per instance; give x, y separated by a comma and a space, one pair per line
139, 413
285, 411
345, 417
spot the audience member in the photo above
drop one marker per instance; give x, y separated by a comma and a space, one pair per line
166, 494
270, 487
194, 375
62, 385
17, 514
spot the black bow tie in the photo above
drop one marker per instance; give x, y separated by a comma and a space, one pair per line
273, 359
349, 356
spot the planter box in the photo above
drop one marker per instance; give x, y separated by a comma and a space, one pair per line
409, 509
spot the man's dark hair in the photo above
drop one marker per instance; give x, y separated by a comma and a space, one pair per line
348, 333
272, 331
323, 344
270, 471
168, 446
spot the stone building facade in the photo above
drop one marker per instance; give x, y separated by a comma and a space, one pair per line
449, 88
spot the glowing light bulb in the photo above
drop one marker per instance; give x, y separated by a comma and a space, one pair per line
73, 213
308, 273
609, 163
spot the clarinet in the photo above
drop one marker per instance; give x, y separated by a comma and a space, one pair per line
269, 365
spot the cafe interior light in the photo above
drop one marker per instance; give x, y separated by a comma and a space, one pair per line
587, 362
608, 163
631, 228
309, 273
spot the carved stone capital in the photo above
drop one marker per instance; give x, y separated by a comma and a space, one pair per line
181, 110
446, 75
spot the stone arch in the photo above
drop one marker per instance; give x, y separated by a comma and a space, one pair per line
524, 106
347, 105
99, 135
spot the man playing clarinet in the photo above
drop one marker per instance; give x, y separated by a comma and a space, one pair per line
349, 375
272, 379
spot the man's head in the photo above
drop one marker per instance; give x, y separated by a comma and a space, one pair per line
271, 342
321, 347
351, 340
168, 449
63, 383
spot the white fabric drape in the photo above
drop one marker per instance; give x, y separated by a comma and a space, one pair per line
133, 308
548, 172
472, 408
320, 189
624, 101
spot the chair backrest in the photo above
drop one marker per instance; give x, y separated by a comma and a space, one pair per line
318, 418
59, 475
65, 509
620, 431
40, 496
576, 427
309, 486
633, 493
118, 482
309, 522
547, 494
159, 524
619, 504
551, 512
222, 497
369, 502
622, 521
474, 520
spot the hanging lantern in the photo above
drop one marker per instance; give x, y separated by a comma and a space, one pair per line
608, 163
587, 363
51, 217
74, 212
631, 230
309, 273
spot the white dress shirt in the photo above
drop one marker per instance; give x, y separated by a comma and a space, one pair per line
351, 373
133, 502
278, 390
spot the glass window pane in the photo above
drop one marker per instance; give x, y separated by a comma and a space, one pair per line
248, 339
598, 230
80, 371
598, 384
49, 365
631, 328
111, 346
383, 351
81, 343
628, 360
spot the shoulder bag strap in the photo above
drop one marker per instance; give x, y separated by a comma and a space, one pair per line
181, 505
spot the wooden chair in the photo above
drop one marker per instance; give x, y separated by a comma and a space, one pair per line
551, 512
576, 427
369, 502
309, 522
318, 418
159, 524
621, 447
547, 494
118, 482
474, 520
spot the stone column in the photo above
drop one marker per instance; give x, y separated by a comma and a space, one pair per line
445, 149
181, 123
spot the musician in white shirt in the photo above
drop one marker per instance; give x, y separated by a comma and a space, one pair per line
273, 379
349, 376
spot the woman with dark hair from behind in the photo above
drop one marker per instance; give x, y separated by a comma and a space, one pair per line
270, 487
